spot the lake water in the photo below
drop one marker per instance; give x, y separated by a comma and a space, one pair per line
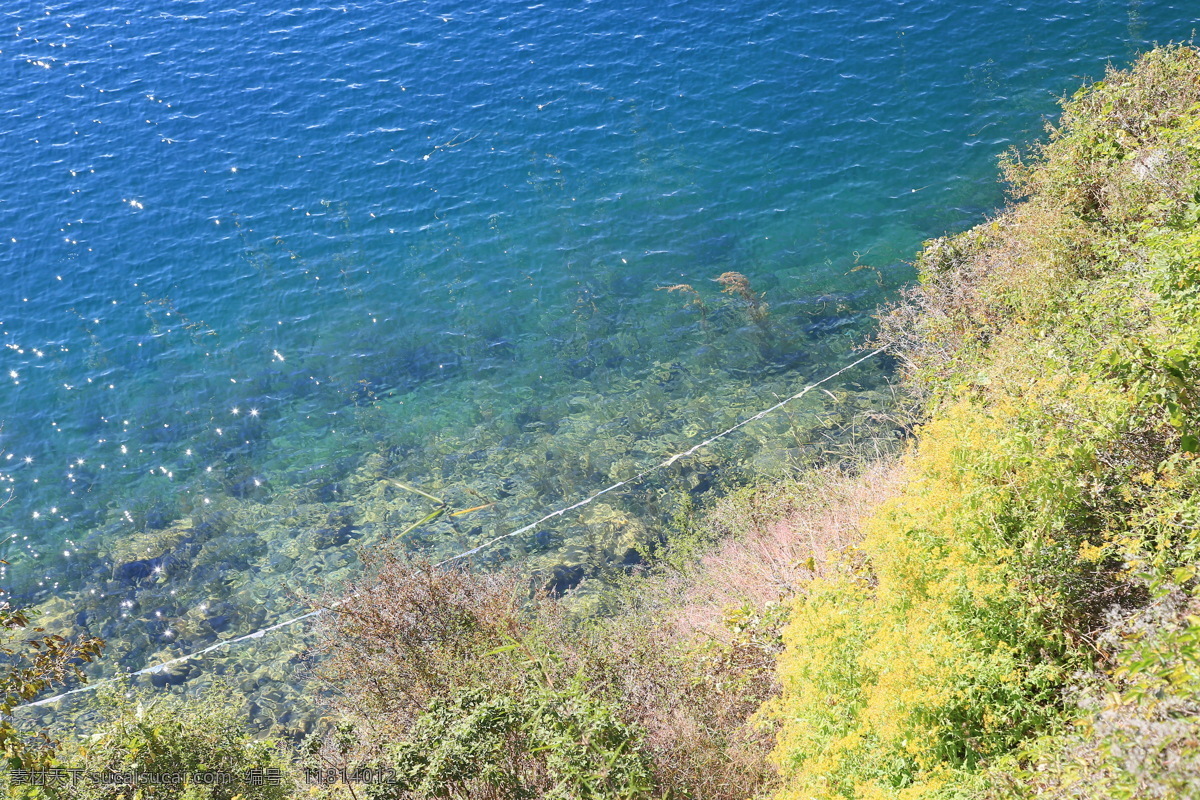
260, 262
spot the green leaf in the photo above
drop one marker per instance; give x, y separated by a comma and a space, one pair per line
502, 649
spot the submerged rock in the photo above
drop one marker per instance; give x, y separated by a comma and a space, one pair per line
334, 537
170, 674
563, 578
144, 568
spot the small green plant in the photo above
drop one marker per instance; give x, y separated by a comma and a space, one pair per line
29, 665
546, 741
683, 541
183, 748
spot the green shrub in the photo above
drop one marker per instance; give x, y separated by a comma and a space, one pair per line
470, 684
556, 743
201, 744
29, 666
466, 685
1051, 497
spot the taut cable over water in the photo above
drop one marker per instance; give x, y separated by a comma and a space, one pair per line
261, 632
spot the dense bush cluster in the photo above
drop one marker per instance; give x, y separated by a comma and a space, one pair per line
461, 686
1025, 610
144, 746
458, 685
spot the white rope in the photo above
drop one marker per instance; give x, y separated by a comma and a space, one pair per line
258, 634
668, 462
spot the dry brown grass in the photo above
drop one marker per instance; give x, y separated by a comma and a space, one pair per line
693, 656
996, 280
408, 632
773, 540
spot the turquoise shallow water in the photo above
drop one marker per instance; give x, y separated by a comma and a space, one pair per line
259, 260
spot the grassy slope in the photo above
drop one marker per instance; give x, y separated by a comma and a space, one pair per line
1024, 616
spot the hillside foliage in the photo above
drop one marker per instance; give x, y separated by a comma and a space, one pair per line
1023, 619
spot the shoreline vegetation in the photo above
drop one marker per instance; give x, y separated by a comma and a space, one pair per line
1002, 602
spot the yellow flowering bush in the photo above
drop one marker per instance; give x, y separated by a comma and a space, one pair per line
1050, 507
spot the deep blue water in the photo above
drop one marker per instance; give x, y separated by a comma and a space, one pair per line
258, 259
